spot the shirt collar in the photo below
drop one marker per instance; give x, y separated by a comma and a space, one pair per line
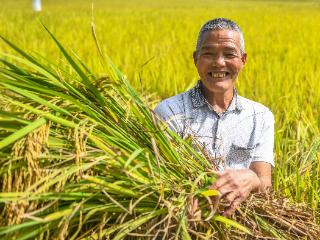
198, 99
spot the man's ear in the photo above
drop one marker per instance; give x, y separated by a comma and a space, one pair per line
195, 57
244, 58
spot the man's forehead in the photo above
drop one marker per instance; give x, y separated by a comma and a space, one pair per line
224, 36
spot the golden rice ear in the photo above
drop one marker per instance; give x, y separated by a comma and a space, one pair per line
28, 152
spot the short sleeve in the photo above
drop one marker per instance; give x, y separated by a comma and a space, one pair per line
172, 114
263, 152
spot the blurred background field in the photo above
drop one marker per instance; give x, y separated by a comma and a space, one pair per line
152, 43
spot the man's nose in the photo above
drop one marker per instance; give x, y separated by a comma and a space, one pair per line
219, 61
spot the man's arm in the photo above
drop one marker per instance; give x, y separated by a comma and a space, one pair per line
171, 111
263, 171
236, 185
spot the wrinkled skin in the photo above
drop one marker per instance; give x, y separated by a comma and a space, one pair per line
219, 53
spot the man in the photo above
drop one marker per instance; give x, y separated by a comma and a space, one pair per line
236, 132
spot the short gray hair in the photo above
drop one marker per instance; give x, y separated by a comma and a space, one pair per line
219, 24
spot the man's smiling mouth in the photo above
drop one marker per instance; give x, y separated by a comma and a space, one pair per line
218, 74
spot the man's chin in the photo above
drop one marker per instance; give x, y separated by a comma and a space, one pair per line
218, 86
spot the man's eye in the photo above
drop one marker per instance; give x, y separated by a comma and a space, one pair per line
206, 54
230, 55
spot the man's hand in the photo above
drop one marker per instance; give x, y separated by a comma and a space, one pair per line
236, 185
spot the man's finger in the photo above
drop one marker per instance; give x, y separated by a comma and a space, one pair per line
219, 183
218, 173
230, 197
233, 207
195, 205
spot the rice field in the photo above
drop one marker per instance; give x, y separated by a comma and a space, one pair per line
152, 43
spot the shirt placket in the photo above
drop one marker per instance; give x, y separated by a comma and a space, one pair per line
218, 142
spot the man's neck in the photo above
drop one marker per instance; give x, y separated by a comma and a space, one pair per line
219, 101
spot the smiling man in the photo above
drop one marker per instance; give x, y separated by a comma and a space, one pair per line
236, 133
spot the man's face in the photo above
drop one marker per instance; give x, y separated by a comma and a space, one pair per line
219, 60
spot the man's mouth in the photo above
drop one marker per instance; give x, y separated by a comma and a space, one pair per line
218, 74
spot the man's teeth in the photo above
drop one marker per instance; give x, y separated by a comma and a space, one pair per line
218, 75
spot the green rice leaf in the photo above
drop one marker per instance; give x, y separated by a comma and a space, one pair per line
128, 227
230, 222
209, 193
22, 132
133, 156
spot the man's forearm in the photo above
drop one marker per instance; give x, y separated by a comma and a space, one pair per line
263, 171
265, 184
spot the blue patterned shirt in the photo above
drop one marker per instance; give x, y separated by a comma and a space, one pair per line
244, 133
